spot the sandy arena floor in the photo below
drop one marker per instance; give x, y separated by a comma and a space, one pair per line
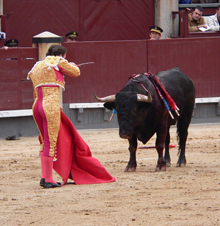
180, 196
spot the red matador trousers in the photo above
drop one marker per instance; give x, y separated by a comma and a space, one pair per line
46, 112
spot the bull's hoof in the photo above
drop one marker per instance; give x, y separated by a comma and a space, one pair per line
181, 164
168, 164
130, 169
167, 161
160, 168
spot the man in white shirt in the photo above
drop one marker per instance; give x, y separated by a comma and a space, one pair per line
214, 20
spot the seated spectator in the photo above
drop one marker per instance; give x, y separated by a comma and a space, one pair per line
203, 1
214, 21
2, 35
155, 32
72, 36
10, 43
184, 1
195, 19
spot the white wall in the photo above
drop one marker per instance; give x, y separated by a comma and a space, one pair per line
163, 17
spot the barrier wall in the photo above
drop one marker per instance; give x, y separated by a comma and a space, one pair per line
114, 63
15, 91
196, 57
94, 20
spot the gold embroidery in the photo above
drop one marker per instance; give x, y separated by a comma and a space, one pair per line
68, 68
52, 61
52, 111
40, 75
44, 72
49, 72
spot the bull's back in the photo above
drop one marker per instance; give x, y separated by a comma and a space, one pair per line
179, 86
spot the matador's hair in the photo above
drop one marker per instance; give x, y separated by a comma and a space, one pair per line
56, 50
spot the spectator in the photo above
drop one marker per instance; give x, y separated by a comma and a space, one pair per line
214, 21
10, 43
2, 35
203, 1
195, 19
72, 36
155, 32
184, 1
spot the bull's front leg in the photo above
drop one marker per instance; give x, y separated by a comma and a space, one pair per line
132, 164
167, 151
161, 164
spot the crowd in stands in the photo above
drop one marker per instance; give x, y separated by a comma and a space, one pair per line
197, 1
196, 21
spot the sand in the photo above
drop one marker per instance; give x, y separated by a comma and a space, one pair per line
179, 196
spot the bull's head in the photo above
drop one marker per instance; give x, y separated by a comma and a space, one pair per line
129, 110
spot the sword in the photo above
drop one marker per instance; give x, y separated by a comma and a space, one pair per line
85, 63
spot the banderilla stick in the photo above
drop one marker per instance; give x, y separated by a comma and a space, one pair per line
170, 146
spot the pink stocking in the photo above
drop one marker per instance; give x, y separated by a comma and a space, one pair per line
48, 169
42, 165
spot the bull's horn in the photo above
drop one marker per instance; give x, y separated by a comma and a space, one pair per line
144, 98
110, 98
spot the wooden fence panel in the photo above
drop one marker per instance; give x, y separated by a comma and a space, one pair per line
197, 57
28, 18
117, 20
94, 20
15, 91
115, 62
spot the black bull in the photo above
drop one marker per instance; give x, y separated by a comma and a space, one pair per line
141, 113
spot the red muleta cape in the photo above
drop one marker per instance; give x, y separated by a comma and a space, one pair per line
74, 158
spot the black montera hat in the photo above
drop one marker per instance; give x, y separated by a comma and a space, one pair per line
11, 43
156, 29
72, 34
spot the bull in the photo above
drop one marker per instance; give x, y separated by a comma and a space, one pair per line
141, 112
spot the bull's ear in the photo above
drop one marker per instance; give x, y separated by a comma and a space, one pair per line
109, 105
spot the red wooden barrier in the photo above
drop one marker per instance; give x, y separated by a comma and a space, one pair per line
197, 57
15, 91
115, 62
95, 20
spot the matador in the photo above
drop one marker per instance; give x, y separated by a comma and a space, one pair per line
47, 78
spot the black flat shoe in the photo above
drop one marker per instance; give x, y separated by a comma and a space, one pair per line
51, 185
42, 181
